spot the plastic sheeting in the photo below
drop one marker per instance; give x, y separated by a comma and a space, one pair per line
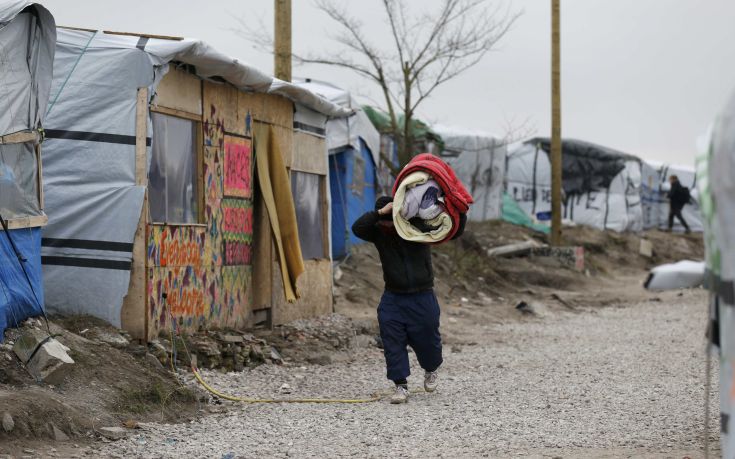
512, 213
19, 299
306, 189
172, 179
18, 181
601, 186
478, 159
655, 185
352, 182
92, 200
27, 41
716, 183
672, 276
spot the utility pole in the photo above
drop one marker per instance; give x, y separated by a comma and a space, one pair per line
282, 41
555, 124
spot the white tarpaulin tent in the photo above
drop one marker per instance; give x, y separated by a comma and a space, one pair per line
601, 186
93, 201
478, 158
655, 185
716, 182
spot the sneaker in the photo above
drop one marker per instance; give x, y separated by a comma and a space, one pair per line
431, 380
400, 395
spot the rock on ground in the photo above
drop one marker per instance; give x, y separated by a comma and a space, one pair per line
617, 381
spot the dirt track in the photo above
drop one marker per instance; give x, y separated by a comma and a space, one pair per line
619, 381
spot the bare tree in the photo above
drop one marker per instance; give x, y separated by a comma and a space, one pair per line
428, 50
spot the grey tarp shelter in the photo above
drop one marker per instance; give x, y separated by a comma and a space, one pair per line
27, 43
478, 158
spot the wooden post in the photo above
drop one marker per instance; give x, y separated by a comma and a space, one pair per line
556, 163
282, 42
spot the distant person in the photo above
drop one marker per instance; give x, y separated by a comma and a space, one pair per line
679, 196
408, 313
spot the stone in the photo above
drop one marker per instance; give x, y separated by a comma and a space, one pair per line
646, 248
28, 342
59, 434
113, 433
114, 339
153, 361
229, 338
275, 355
51, 363
8, 423
158, 351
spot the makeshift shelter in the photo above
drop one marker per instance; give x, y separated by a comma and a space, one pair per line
157, 209
654, 187
425, 141
601, 186
27, 41
354, 155
478, 159
716, 183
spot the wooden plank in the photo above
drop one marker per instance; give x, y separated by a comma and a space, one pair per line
39, 176
284, 136
326, 230
309, 154
180, 91
267, 108
20, 137
513, 250
141, 134
27, 222
315, 286
133, 314
200, 173
144, 35
220, 107
176, 113
263, 255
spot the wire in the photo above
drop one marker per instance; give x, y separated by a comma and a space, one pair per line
195, 371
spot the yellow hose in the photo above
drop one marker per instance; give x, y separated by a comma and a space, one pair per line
199, 378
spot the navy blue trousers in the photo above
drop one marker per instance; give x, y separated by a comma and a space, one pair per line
410, 319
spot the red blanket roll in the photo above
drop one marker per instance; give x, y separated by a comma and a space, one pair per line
456, 197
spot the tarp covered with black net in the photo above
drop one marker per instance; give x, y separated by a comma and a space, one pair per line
601, 186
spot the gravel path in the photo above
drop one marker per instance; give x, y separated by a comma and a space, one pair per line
615, 382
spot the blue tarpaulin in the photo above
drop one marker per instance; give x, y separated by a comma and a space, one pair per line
17, 300
352, 182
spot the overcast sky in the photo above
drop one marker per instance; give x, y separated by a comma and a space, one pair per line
643, 76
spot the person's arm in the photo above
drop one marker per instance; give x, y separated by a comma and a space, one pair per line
462, 223
365, 227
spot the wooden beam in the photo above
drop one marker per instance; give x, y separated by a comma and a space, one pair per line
144, 35
282, 42
27, 222
556, 163
141, 135
176, 113
20, 137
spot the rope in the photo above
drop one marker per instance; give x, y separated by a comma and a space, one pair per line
195, 371
66, 80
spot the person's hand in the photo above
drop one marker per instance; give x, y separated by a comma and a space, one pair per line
387, 209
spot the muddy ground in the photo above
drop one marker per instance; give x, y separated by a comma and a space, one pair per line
115, 383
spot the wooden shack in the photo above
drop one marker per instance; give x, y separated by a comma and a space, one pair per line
221, 271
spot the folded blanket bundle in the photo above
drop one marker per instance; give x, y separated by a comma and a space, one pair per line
428, 189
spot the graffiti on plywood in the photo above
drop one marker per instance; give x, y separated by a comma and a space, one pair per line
238, 167
237, 231
186, 299
175, 245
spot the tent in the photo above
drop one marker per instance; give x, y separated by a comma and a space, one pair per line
425, 141
150, 176
716, 183
478, 158
655, 185
601, 186
27, 39
354, 155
